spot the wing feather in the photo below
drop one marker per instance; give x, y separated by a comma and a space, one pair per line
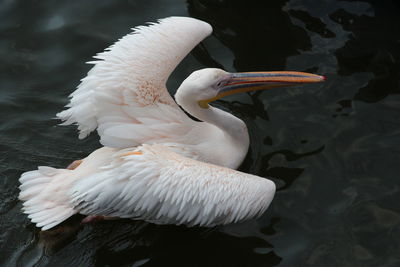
160, 186
126, 86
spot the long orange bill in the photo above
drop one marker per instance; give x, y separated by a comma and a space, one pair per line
254, 81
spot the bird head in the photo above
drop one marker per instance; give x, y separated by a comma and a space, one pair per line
207, 85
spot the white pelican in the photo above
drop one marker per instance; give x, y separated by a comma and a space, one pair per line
157, 164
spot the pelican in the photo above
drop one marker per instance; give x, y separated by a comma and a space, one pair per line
157, 164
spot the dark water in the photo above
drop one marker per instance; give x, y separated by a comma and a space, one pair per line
333, 148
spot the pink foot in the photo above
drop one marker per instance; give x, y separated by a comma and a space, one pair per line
93, 219
74, 164
97, 218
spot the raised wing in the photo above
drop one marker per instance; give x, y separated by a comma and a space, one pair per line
124, 94
157, 185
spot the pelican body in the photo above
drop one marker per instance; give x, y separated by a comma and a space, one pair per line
157, 164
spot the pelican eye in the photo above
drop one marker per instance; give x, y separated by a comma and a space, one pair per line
220, 83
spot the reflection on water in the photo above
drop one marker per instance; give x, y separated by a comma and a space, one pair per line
252, 33
331, 148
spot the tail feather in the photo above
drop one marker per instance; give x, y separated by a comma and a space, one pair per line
44, 193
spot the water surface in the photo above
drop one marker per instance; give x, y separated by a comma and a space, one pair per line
332, 148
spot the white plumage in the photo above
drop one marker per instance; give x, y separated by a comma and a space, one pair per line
157, 164
125, 90
160, 186
149, 182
